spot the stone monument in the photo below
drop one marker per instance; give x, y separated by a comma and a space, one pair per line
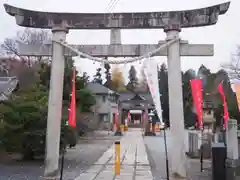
171, 22
232, 139
232, 163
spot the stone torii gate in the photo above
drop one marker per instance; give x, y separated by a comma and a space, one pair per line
171, 22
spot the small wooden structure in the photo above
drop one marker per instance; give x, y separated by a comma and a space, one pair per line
137, 104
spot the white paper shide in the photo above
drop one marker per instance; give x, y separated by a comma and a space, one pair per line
151, 72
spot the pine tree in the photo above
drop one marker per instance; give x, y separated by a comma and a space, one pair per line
189, 115
203, 74
108, 77
98, 76
143, 86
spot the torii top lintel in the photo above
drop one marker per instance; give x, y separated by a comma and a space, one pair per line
144, 20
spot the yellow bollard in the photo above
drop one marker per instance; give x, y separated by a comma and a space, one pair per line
117, 157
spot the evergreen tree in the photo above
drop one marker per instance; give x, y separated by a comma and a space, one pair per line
222, 77
24, 119
25, 115
203, 73
143, 86
133, 80
189, 115
98, 76
108, 75
81, 81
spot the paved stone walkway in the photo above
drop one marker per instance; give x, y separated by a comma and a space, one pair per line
134, 161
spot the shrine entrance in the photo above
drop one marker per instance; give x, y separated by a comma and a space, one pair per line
135, 105
172, 22
136, 116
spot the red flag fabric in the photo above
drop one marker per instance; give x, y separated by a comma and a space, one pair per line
225, 107
115, 119
116, 116
129, 116
72, 110
196, 86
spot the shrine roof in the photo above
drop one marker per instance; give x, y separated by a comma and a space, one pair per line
7, 85
4, 84
129, 96
97, 88
141, 20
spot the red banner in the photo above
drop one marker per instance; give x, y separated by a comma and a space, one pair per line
116, 116
196, 86
72, 110
129, 116
225, 107
115, 120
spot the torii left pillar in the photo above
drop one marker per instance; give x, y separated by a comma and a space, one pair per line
55, 105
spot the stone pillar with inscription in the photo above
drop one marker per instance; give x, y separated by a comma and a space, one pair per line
55, 105
177, 153
232, 164
232, 139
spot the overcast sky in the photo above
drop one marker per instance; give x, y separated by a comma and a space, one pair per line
224, 35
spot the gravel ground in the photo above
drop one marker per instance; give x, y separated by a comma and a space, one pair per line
156, 155
77, 160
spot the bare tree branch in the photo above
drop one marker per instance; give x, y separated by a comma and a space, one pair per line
233, 67
23, 67
28, 36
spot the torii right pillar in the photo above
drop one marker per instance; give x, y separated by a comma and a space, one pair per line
178, 161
